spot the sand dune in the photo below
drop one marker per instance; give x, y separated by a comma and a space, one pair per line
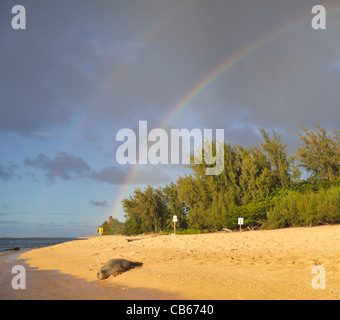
273, 264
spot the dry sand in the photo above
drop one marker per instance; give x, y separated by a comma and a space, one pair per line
270, 264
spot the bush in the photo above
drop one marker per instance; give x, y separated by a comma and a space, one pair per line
314, 185
254, 213
131, 228
302, 209
187, 231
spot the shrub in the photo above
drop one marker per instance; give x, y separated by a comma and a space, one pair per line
302, 209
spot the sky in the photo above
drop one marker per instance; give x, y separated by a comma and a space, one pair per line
83, 70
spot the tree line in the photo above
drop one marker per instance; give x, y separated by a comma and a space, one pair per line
263, 184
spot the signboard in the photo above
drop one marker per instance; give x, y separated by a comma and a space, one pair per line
100, 230
174, 220
240, 222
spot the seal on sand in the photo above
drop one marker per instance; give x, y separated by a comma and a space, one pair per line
115, 267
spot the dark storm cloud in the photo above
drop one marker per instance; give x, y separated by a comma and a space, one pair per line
117, 60
280, 87
62, 63
44, 78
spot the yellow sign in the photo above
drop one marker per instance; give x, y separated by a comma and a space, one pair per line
100, 230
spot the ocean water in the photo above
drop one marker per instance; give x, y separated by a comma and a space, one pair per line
29, 243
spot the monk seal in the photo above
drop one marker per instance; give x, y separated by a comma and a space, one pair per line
115, 267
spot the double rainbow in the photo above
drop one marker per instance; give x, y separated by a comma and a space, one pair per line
212, 76
209, 78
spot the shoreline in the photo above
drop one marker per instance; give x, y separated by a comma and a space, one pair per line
266, 264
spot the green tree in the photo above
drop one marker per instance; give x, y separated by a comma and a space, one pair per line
116, 227
146, 210
175, 205
106, 227
277, 154
251, 182
195, 194
320, 153
133, 215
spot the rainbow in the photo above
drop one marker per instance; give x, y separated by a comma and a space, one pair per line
208, 79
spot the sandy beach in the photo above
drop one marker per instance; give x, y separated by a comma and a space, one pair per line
268, 264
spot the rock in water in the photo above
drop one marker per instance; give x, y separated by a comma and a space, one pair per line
13, 248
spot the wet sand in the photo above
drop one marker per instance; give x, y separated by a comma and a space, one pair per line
273, 264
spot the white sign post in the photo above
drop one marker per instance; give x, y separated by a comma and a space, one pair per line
240, 222
174, 219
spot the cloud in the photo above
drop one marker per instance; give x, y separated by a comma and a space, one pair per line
111, 175
62, 166
68, 167
119, 61
64, 65
43, 85
98, 203
41, 134
7, 172
140, 174
152, 174
336, 66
